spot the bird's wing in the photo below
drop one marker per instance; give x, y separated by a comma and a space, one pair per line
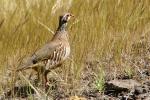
43, 53
46, 51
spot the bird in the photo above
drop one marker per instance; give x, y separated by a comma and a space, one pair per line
54, 52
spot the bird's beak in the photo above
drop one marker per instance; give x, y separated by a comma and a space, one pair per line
72, 15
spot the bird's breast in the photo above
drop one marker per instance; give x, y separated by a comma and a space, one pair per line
58, 56
67, 52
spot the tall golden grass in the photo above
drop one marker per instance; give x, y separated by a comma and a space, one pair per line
101, 28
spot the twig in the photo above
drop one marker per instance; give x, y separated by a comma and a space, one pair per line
21, 75
129, 60
42, 96
20, 25
46, 27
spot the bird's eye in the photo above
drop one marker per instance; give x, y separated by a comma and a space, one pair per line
67, 15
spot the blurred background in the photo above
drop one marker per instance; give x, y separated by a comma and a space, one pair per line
108, 38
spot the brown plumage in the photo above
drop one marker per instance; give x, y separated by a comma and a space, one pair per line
55, 52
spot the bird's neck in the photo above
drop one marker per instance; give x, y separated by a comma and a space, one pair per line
61, 32
61, 36
62, 26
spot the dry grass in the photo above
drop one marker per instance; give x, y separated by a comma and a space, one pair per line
104, 31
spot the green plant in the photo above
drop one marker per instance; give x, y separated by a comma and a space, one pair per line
129, 71
100, 81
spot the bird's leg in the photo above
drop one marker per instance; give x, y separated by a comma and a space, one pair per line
37, 73
46, 80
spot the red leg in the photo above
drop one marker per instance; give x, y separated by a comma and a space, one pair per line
46, 81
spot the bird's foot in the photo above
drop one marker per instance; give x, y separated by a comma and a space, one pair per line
47, 85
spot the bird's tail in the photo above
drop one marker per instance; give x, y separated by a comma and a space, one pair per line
25, 63
29, 63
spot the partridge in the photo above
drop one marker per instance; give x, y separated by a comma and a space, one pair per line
55, 52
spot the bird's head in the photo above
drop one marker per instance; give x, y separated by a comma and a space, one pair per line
66, 17
63, 21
